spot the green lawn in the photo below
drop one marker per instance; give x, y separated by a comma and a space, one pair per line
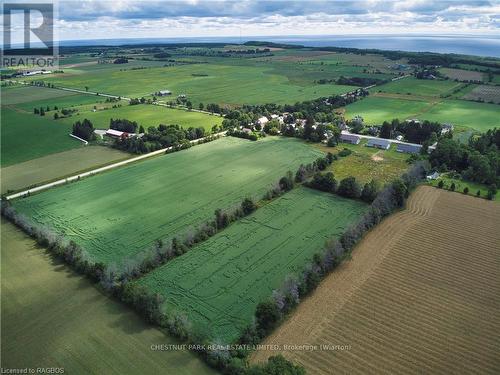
119, 213
219, 283
26, 136
51, 317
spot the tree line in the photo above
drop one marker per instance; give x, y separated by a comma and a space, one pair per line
270, 313
477, 161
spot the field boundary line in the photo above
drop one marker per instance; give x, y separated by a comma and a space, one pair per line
80, 139
103, 169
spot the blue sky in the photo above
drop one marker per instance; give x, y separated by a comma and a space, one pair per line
94, 19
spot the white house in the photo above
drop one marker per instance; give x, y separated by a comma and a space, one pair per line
262, 121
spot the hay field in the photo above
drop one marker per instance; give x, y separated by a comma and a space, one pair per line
484, 93
123, 211
58, 165
26, 136
376, 109
52, 317
462, 74
419, 87
219, 283
420, 295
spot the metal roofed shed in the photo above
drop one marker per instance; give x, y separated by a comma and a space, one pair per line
383, 144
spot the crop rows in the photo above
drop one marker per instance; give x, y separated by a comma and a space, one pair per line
430, 304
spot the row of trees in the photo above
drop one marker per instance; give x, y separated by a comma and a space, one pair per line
84, 129
156, 138
270, 313
413, 131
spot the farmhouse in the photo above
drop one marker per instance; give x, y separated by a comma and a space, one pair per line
163, 93
118, 134
445, 128
262, 121
410, 149
383, 144
350, 138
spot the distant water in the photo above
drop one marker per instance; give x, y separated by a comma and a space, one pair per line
467, 45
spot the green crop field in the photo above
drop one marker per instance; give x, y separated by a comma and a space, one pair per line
51, 317
26, 136
59, 165
146, 115
121, 212
478, 116
23, 94
219, 283
207, 83
376, 110
419, 87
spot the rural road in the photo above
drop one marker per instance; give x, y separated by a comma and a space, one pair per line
101, 169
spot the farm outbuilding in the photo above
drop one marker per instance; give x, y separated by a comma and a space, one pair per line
163, 93
350, 138
410, 149
383, 144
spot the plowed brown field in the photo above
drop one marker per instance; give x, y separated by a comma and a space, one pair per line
420, 295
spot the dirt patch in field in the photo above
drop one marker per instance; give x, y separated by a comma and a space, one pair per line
377, 157
420, 295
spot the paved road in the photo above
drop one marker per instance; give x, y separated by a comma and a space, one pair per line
99, 170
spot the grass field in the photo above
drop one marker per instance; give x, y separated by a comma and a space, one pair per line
219, 283
478, 116
419, 87
208, 83
420, 295
121, 212
367, 163
22, 94
52, 317
146, 115
54, 166
376, 109
26, 136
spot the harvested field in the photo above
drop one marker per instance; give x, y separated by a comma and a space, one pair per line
485, 93
119, 213
219, 283
462, 74
420, 295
